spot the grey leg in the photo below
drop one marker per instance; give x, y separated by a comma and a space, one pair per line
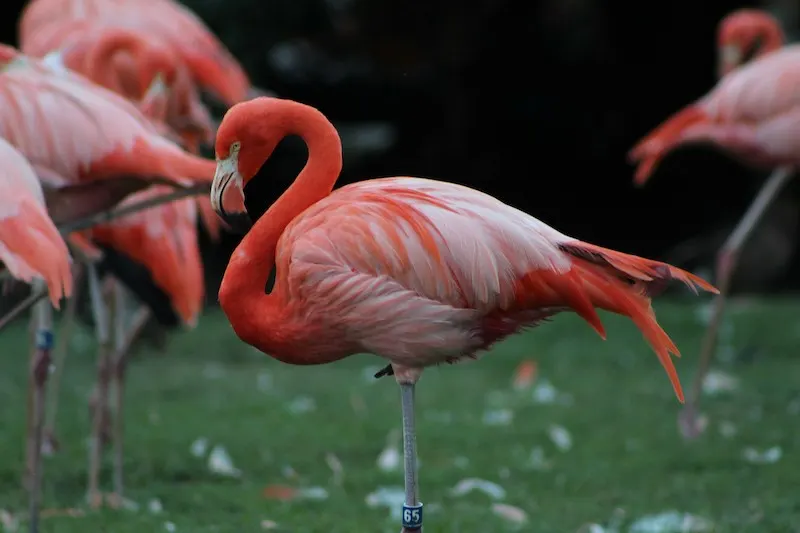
412, 508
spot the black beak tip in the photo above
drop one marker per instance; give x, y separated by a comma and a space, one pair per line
239, 222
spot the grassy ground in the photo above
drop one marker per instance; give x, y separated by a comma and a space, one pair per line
626, 459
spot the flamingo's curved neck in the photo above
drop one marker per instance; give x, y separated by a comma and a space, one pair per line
98, 61
254, 315
773, 39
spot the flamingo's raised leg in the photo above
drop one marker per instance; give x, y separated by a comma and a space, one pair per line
727, 258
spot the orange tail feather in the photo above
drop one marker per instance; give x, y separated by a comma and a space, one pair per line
31, 246
622, 284
651, 150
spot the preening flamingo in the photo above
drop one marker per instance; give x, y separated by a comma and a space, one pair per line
75, 132
417, 271
45, 22
752, 114
32, 250
744, 35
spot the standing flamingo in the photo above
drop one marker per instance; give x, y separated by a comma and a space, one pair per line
416, 271
32, 250
44, 22
751, 113
164, 240
76, 132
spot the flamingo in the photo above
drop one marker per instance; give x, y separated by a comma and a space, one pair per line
32, 250
74, 133
752, 114
164, 240
44, 23
416, 271
746, 34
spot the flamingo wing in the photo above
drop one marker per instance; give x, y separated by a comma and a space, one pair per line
30, 245
164, 240
401, 263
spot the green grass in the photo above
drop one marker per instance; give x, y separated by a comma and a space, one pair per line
627, 459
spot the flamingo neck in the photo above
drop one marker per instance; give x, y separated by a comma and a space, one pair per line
260, 319
104, 65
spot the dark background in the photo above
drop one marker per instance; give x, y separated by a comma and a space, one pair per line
534, 102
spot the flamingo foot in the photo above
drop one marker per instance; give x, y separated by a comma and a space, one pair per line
691, 423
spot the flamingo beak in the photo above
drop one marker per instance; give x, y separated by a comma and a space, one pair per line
227, 195
730, 57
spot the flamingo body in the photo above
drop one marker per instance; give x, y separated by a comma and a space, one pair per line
30, 245
753, 113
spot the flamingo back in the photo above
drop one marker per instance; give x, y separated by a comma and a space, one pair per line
164, 240
30, 245
74, 128
759, 90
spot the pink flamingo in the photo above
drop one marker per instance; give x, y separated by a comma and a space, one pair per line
45, 22
752, 114
417, 271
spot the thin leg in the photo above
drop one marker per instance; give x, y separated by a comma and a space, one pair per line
727, 259
50, 443
40, 365
123, 349
102, 323
412, 508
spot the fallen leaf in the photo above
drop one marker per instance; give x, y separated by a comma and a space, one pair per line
169, 526
498, 417
302, 404
465, 486
336, 467
671, 522
154, 506
768, 456
525, 375
389, 497
510, 513
219, 462
199, 447
538, 461
560, 437
279, 492
269, 524
717, 382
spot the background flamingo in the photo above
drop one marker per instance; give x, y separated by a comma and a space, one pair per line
33, 251
417, 271
45, 22
74, 131
749, 114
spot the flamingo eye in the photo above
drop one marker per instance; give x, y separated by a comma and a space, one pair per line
235, 146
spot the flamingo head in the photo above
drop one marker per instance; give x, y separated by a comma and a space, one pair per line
246, 137
744, 35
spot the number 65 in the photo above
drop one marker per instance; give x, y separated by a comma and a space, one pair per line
411, 516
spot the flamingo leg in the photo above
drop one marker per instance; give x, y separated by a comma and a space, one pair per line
102, 324
412, 508
40, 365
727, 259
50, 443
123, 348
